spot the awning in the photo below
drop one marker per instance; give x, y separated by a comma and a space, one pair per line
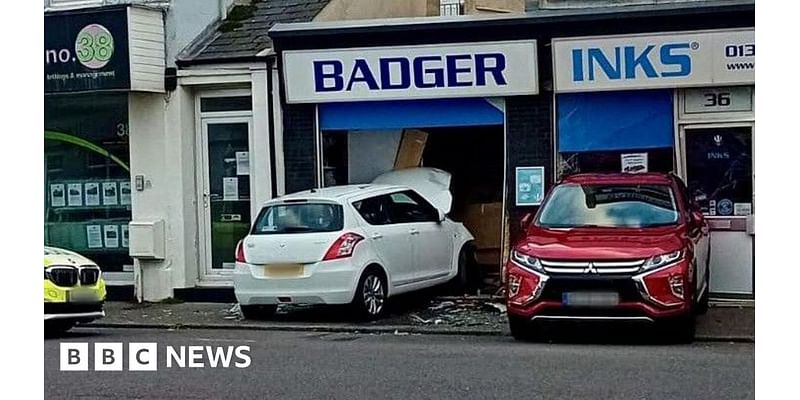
621, 120
380, 115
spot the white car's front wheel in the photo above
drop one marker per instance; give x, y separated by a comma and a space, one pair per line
370, 299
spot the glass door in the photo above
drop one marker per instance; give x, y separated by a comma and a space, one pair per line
225, 190
718, 169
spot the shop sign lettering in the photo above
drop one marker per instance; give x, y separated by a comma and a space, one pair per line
86, 51
411, 72
658, 60
423, 72
670, 60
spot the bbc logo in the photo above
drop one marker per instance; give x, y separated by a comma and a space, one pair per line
144, 357
109, 356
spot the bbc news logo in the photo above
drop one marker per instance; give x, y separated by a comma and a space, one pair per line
144, 357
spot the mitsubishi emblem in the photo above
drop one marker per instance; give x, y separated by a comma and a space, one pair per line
590, 269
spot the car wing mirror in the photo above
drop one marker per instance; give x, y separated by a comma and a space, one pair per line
697, 218
526, 220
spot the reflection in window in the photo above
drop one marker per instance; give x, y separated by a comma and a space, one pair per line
573, 205
87, 178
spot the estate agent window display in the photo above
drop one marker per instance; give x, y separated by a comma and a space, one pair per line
87, 176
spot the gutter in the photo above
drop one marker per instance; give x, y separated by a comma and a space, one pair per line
404, 25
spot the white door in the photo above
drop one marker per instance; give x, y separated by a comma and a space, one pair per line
224, 197
717, 166
429, 239
391, 240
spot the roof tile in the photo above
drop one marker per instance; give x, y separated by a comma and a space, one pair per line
247, 37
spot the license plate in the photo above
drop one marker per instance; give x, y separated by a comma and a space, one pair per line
283, 271
81, 297
590, 299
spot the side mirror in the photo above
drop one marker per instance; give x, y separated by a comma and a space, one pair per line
441, 215
696, 217
525, 221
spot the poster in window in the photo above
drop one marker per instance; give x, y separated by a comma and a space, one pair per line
634, 163
94, 237
124, 193
719, 169
92, 190
242, 163
230, 188
57, 195
124, 234
110, 193
74, 194
530, 186
111, 236
742, 209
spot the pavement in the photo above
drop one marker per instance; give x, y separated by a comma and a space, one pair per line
316, 365
725, 321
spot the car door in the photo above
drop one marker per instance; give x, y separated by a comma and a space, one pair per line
431, 240
390, 239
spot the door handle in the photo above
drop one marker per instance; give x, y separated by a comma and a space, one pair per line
205, 199
413, 231
376, 236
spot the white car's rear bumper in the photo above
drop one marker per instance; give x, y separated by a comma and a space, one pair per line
330, 282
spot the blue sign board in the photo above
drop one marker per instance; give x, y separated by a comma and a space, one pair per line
529, 186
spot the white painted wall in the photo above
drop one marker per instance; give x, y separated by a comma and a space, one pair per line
260, 162
186, 19
277, 113
148, 152
165, 157
371, 154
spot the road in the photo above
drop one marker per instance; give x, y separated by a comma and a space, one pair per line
306, 365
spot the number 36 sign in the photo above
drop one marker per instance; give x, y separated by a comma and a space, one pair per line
725, 99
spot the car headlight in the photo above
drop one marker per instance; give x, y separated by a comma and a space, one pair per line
527, 261
662, 260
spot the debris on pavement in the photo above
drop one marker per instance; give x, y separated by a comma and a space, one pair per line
461, 312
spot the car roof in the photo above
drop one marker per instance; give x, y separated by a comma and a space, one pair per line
611, 178
338, 193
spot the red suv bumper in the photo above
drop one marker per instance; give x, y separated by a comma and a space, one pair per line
661, 293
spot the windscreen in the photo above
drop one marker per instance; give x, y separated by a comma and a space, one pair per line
299, 218
632, 206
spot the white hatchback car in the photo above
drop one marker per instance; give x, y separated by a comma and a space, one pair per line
357, 244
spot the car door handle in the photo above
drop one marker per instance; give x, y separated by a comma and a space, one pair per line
376, 236
413, 231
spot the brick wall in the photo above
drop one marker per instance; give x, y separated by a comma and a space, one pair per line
529, 144
299, 147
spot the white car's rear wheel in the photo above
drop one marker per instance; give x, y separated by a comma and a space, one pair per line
370, 299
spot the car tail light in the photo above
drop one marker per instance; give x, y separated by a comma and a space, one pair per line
240, 252
343, 246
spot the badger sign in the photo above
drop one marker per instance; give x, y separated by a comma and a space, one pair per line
411, 72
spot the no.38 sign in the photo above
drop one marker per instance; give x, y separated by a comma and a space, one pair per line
714, 100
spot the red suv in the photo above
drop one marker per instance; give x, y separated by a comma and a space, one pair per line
619, 247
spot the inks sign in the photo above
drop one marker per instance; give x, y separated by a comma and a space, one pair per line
411, 72
682, 59
86, 50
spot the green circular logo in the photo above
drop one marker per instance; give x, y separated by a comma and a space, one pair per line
94, 46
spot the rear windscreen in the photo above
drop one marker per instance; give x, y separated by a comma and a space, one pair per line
299, 218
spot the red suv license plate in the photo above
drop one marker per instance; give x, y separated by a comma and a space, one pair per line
590, 299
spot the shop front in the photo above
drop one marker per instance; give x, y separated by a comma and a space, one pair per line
96, 61
677, 102
379, 109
